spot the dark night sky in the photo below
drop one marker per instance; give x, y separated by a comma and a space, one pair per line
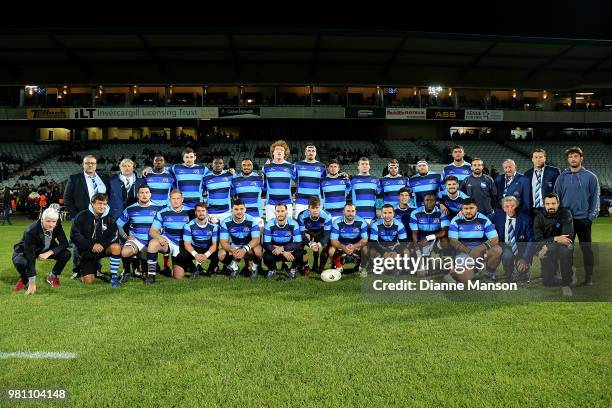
567, 19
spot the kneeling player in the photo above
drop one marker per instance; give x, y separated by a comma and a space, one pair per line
282, 242
239, 239
139, 216
94, 234
200, 238
167, 235
349, 234
474, 237
315, 227
386, 235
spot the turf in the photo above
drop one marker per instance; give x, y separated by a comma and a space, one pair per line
215, 342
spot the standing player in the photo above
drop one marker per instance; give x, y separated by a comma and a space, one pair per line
309, 174
139, 216
160, 182
459, 167
364, 190
473, 235
200, 239
188, 178
248, 188
392, 183
239, 239
481, 187
218, 185
335, 187
166, 236
403, 211
315, 227
424, 182
279, 174
282, 242
348, 236
451, 199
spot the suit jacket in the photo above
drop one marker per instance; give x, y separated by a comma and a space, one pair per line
32, 242
548, 181
519, 188
76, 195
119, 198
523, 233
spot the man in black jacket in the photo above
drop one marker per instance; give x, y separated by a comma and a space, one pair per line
94, 234
42, 240
554, 231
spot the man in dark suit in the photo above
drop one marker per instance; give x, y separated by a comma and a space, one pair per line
515, 230
44, 239
80, 189
82, 186
124, 188
541, 179
513, 183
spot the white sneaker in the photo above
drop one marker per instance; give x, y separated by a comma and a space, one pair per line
363, 272
448, 278
567, 291
574, 278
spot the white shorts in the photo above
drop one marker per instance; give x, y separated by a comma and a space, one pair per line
222, 216
270, 211
136, 244
299, 208
173, 249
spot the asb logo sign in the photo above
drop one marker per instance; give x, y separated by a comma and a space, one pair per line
445, 114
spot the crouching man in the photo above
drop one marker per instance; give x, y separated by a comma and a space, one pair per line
41, 240
94, 234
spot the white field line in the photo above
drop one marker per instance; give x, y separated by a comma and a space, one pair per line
38, 355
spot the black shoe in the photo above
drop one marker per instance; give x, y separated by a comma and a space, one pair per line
166, 272
587, 282
195, 273
149, 280
125, 276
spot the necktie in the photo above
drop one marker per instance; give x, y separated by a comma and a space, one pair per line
94, 184
511, 237
508, 180
538, 189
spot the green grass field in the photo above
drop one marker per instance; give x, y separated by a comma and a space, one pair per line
215, 342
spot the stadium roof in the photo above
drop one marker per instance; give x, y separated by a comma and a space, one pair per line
216, 55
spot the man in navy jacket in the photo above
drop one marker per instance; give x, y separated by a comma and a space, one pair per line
124, 188
513, 183
515, 230
541, 179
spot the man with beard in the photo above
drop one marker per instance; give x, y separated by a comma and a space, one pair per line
282, 242
248, 187
279, 175
200, 240
139, 216
392, 183
239, 238
459, 167
554, 232
481, 188
451, 199
542, 179
578, 190
474, 237
315, 227
309, 174
218, 185
335, 186
386, 235
348, 236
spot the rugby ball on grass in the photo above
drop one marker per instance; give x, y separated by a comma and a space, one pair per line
331, 275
